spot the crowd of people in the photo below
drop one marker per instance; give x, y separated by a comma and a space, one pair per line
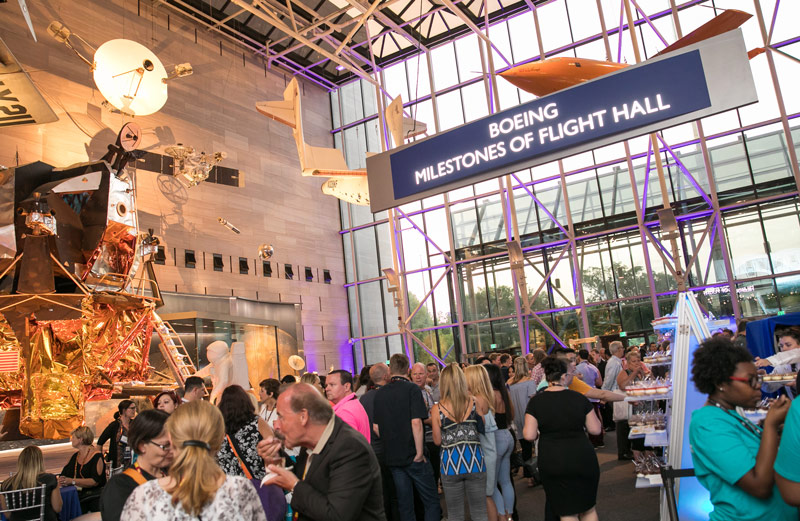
384, 445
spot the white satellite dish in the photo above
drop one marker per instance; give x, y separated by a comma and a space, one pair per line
296, 362
130, 77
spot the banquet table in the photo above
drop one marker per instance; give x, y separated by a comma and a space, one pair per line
71, 505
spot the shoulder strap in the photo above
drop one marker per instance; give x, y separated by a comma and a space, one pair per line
246, 471
135, 475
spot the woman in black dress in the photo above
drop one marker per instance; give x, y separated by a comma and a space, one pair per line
85, 470
119, 452
567, 461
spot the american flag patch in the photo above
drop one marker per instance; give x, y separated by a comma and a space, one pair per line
9, 361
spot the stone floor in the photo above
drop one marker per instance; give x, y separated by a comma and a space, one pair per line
617, 497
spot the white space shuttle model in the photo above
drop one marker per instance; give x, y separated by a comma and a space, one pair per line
343, 183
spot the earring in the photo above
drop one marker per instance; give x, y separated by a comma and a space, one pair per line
721, 389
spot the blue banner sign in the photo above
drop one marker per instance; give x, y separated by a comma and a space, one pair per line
604, 107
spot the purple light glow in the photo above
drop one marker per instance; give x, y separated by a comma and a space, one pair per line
619, 32
647, 19
646, 175
539, 203
774, 18
686, 171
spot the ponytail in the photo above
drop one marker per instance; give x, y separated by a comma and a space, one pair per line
197, 429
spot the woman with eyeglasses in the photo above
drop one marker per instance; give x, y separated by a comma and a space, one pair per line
117, 434
149, 440
734, 458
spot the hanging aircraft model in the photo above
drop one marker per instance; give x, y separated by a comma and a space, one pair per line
343, 183
551, 75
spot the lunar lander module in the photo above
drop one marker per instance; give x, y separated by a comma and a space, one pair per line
75, 319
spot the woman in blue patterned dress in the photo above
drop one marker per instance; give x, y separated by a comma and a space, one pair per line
243, 430
455, 422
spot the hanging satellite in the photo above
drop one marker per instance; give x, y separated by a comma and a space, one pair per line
226, 224
128, 74
191, 168
296, 362
266, 251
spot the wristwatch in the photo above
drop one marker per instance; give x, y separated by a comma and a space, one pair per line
73, 482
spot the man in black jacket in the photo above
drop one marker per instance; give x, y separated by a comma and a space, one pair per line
398, 416
336, 477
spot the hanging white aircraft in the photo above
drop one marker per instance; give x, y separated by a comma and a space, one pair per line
343, 183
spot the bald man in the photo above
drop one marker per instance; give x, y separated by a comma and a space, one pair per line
379, 374
336, 471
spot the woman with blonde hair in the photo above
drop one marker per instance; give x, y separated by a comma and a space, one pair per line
85, 469
196, 487
30, 474
481, 388
521, 389
313, 380
455, 428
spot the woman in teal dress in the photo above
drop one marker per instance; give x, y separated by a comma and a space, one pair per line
787, 464
733, 458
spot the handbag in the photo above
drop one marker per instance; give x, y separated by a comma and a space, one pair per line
621, 409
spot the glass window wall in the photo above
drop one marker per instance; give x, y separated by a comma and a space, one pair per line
753, 240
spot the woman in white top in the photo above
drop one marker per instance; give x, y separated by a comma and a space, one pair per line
195, 488
268, 398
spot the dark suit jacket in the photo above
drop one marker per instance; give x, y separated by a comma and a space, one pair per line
343, 482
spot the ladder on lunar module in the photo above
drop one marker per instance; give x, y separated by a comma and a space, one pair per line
173, 351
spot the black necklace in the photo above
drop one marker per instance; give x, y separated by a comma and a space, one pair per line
747, 424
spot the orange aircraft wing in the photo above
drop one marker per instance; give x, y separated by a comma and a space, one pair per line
554, 74
722, 23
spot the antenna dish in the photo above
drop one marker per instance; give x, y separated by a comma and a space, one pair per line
129, 76
296, 362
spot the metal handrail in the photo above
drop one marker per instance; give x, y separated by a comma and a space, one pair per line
668, 477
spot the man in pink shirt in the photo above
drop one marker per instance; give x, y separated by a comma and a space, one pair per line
339, 389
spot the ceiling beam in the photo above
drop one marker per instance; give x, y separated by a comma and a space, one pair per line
475, 29
231, 17
354, 30
388, 22
257, 9
291, 66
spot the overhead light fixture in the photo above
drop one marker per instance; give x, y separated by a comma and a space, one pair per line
340, 67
